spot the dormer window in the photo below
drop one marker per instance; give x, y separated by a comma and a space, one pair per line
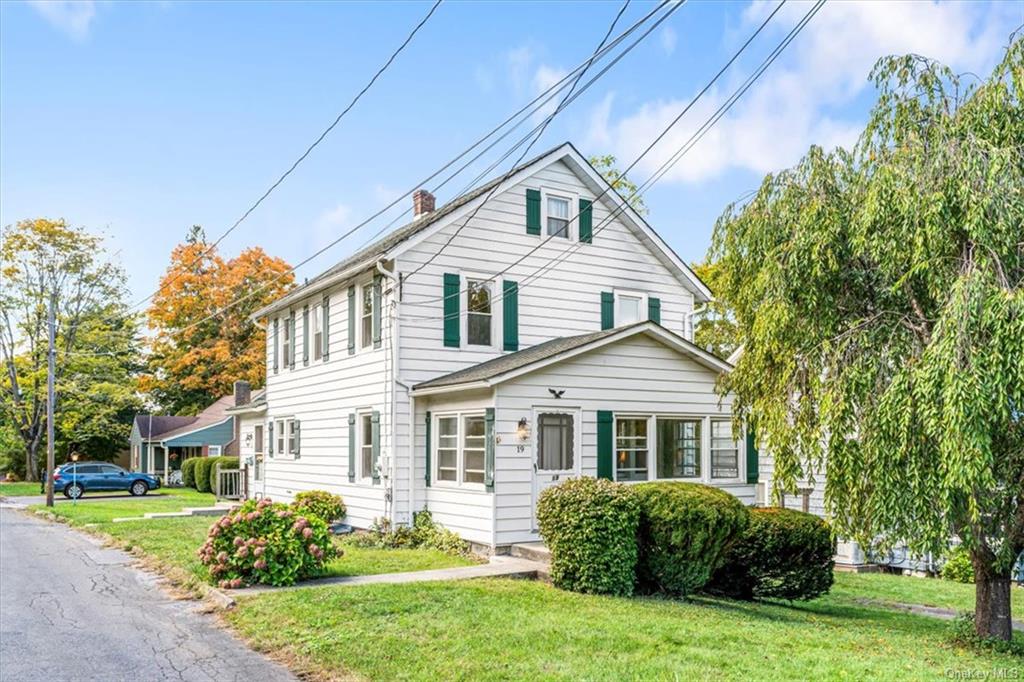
558, 216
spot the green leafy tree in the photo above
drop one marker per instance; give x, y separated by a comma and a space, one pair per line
716, 329
605, 165
878, 294
42, 260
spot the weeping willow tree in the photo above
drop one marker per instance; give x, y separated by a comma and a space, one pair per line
879, 297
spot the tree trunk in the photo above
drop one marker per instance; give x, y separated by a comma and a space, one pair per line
992, 601
30, 462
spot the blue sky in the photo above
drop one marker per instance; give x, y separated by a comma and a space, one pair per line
140, 120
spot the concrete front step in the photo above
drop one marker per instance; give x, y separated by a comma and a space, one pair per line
217, 510
534, 551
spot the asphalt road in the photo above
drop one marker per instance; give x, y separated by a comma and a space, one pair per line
71, 609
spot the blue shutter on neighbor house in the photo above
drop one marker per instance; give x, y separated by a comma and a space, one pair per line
325, 330
586, 221
426, 477
489, 448
376, 310
510, 315
375, 435
305, 335
752, 469
654, 309
351, 447
451, 310
607, 310
605, 445
533, 211
351, 320
274, 343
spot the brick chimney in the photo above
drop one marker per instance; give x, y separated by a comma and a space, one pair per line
243, 393
422, 203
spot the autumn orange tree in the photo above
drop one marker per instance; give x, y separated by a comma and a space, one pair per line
203, 339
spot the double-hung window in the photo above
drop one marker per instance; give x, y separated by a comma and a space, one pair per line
366, 315
679, 448
478, 312
286, 433
366, 445
631, 449
318, 332
725, 459
558, 216
461, 449
287, 346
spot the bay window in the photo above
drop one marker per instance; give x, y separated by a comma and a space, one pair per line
473, 450
461, 449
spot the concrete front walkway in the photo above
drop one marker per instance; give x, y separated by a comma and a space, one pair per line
497, 567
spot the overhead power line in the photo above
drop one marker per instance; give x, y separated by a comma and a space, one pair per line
301, 158
543, 98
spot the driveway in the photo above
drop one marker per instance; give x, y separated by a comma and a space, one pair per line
71, 609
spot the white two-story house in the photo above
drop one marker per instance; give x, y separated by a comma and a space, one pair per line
533, 330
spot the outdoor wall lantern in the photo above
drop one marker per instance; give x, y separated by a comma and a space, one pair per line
523, 429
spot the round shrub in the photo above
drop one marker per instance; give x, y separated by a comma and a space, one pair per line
958, 566
266, 542
321, 504
202, 473
220, 463
783, 554
188, 472
686, 529
590, 527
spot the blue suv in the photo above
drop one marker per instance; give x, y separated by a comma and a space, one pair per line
74, 478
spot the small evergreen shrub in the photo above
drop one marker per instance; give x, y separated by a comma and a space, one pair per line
266, 542
590, 526
425, 533
958, 566
321, 504
220, 463
686, 529
202, 473
783, 554
188, 472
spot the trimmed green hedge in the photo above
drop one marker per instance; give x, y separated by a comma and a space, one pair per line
202, 473
784, 554
686, 529
220, 463
188, 472
590, 526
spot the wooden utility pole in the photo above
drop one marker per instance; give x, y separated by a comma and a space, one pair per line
50, 397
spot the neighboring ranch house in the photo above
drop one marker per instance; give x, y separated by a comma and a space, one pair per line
160, 443
463, 363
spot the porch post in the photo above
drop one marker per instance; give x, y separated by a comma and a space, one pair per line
167, 463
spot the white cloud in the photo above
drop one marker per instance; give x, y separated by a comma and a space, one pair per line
544, 78
330, 224
73, 18
668, 40
804, 97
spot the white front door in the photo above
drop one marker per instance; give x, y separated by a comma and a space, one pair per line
556, 448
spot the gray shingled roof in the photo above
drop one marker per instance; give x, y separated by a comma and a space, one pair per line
153, 426
507, 363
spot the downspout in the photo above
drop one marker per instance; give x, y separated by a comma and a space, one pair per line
395, 337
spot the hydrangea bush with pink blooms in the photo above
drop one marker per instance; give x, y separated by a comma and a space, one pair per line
266, 542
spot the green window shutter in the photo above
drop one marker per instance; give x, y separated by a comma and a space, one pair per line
605, 445
351, 448
298, 438
510, 315
427, 459
489, 449
305, 335
326, 329
451, 310
533, 211
586, 221
351, 320
274, 343
654, 309
752, 468
270, 430
291, 340
607, 310
376, 310
375, 436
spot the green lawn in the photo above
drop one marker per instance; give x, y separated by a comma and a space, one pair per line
18, 489
23, 489
84, 512
507, 629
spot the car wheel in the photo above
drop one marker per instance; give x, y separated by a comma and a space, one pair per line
73, 491
139, 488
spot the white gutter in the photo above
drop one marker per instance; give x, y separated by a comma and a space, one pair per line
308, 290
